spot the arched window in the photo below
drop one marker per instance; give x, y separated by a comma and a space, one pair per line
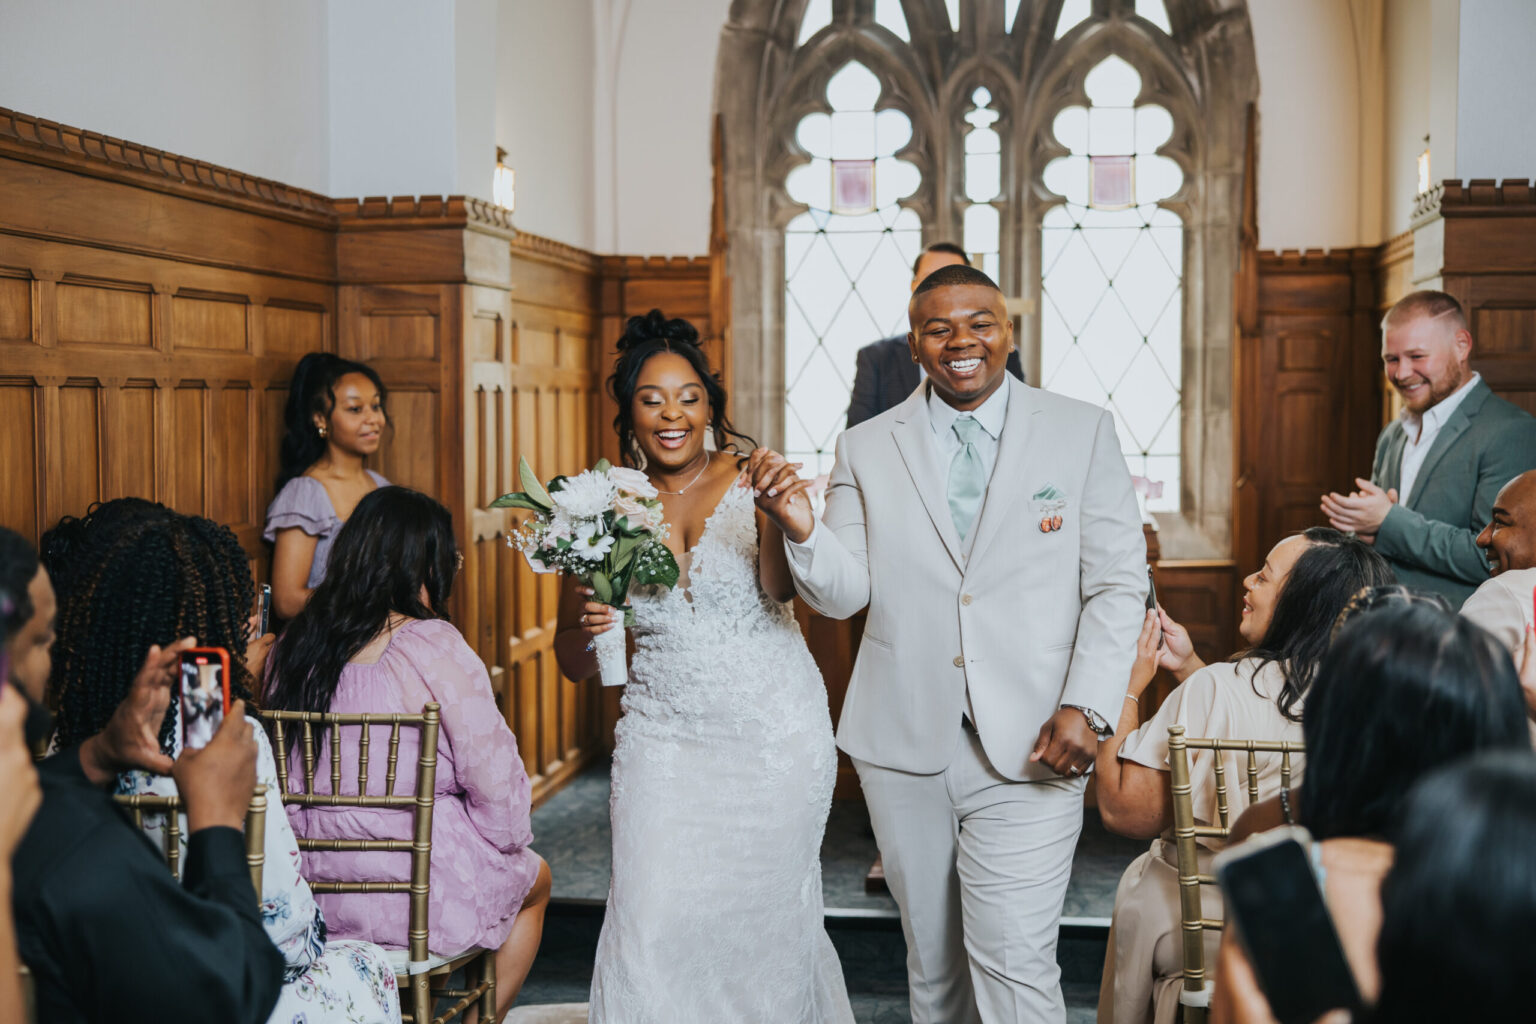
1086, 153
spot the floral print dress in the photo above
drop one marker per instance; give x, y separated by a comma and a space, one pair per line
323, 982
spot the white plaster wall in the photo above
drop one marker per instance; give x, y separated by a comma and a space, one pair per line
392, 97
545, 57
242, 85
1309, 128
660, 176
1495, 128
1408, 59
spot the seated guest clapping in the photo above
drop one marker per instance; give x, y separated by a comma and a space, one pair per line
1406, 688
1458, 922
375, 638
146, 575
108, 933
334, 420
1288, 609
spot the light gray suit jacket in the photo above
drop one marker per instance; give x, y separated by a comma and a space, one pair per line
1028, 622
1430, 536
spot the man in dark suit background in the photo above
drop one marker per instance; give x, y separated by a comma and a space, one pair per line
886, 373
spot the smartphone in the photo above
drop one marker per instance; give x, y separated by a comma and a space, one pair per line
204, 694
1152, 605
264, 610
1272, 896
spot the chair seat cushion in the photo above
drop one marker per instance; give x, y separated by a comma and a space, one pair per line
400, 960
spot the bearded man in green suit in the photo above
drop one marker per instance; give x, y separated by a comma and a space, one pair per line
1439, 466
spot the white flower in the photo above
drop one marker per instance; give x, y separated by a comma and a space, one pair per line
655, 516
590, 544
632, 481
584, 496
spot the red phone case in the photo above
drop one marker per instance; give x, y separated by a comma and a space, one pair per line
214, 654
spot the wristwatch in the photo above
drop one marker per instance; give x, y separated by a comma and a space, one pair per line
1096, 721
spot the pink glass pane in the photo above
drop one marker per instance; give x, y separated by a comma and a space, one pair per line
853, 186
1109, 181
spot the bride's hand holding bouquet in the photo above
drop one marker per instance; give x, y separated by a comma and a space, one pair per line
605, 528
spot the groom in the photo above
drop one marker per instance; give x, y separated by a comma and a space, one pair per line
991, 529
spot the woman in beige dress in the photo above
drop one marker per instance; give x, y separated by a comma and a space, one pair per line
1406, 688
1289, 607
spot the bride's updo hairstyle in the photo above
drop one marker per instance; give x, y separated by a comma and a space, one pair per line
644, 337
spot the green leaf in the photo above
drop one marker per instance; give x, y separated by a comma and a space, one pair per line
603, 587
659, 568
532, 489
518, 499
603, 466
624, 550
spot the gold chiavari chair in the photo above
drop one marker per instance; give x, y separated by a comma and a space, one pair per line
1195, 996
140, 804
416, 966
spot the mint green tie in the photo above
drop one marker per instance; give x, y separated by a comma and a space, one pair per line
967, 477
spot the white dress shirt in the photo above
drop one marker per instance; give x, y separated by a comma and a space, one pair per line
1422, 431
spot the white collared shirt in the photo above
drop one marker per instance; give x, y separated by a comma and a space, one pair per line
991, 414
1422, 431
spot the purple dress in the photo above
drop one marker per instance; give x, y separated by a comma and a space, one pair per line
482, 869
304, 503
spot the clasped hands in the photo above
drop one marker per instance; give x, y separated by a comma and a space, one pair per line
1360, 512
215, 782
781, 494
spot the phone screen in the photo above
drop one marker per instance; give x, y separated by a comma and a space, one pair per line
1287, 932
203, 691
1152, 604
264, 611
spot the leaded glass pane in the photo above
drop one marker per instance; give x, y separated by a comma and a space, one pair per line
953, 9
1156, 12
1010, 14
1111, 287
817, 16
890, 14
1072, 12
847, 259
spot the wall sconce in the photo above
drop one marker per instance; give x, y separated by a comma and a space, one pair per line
1424, 168
502, 191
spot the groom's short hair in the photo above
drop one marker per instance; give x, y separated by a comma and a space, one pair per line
954, 274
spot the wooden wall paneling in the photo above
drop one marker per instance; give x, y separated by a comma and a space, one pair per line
1487, 259
1307, 391
1394, 279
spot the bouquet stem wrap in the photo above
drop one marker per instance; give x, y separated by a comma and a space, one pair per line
612, 649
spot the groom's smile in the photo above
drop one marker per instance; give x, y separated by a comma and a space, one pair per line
961, 335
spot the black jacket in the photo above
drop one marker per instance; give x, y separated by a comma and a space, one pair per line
886, 375
110, 935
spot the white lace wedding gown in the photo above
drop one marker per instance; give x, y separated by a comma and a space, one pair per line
722, 780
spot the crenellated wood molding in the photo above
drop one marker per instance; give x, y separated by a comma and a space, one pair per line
1316, 259
394, 212
1475, 197
38, 140
547, 249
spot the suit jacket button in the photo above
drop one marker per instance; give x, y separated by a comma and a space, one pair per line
965, 599
959, 661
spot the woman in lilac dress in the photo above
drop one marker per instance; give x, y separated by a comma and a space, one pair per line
335, 418
375, 638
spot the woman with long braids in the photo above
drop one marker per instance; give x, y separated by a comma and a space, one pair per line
335, 419
135, 574
723, 763
375, 638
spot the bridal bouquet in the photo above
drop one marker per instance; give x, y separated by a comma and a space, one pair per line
603, 526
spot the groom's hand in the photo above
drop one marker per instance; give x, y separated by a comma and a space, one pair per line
780, 493
1066, 742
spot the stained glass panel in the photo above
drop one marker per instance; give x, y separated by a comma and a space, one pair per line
847, 259
1111, 287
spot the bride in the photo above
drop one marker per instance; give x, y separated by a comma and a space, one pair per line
723, 764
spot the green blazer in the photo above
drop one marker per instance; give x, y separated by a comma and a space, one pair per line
1430, 536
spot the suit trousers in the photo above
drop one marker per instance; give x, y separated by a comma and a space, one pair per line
978, 865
